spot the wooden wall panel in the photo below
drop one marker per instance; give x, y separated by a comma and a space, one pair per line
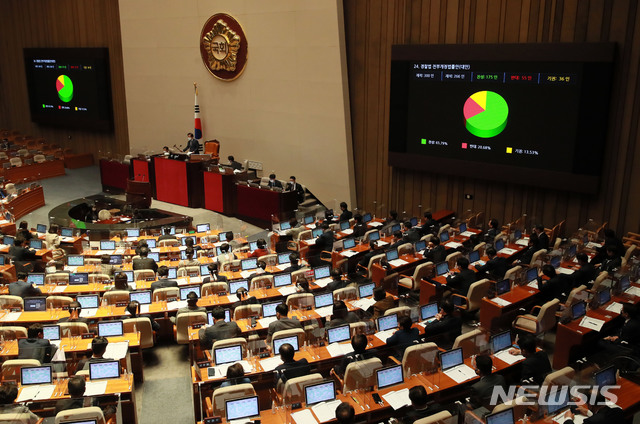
60, 23
371, 29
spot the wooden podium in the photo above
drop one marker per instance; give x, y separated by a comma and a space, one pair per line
139, 194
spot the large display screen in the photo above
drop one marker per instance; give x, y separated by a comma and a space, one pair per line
532, 114
69, 87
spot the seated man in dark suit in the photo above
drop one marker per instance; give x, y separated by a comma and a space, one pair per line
543, 238
603, 413
482, 390
244, 298
336, 281
77, 399
167, 235
23, 288
233, 164
625, 341
411, 235
341, 315
557, 286
430, 225
35, 346
496, 266
586, 274
220, 330
292, 185
345, 213
273, 182
290, 368
493, 231
536, 365
612, 261
391, 220
446, 323
144, 262
213, 274
461, 281
8, 407
75, 308
283, 322
404, 337
360, 353
383, 303
134, 312
294, 262
98, 348
359, 228
19, 253
163, 281
420, 406
373, 250
435, 252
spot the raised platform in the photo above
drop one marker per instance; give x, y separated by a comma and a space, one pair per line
71, 214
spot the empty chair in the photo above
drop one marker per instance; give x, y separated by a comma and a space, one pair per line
420, 358
513, 273
168, 243
58, 302
444, 228
600, 279
400, 310
223, 394
143, 326
470, 341
11, 368
270, 259
212, 289
99, 278
163, 294
293, 390
246, 311
144, 274
405, 249
23, 152
116, 296
345, 293
538, 257
8, 301
442, 417
39, 158
300, 301
452, 258
360, 374
543, 321
15, 162
13, 332
413, 282
183, 321
73, 328
519, 405
480, 248
288, 333
191, 271
90, 414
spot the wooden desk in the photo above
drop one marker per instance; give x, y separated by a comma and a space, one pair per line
25, 203
178, 182
220, 191
113, 176
78, 160
35, 171
260, 204
494, 317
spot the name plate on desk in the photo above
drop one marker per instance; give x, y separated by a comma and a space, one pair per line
196, 326
87, 335
212, 420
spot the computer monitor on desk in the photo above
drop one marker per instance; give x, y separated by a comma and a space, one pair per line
442, 268
387, 322
292, 340
451, 358
242, 408
366, 290
389, 376
502, 417
235, 285
319, 392
36, 375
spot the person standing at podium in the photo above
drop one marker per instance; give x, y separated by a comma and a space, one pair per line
192, 145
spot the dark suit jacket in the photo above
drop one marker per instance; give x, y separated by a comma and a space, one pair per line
462, 281
23, 289
359, 230
74, 403
543, 241
21, 253
381, 306
585, 274
557, 287
337, 284
429, 227
495, 267
83, 364
247, 301
163, 283
292, 370
298, 189
275, 183
412, 235
605, 415
609, 264
235, 165
40, 349
192, 146
292, 268
354, 357
412, 415
630, 333
283, 323
325, 241
346, 215
437, 254
402, 339
145, 263
219, 331
536, 367
482, 390
220, 278
449, 324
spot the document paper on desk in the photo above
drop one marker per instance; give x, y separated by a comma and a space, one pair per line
326, 411
88, 313
398, 262
45, 392
59, 289
347, 232
59, 356
28, 393
397, 399
592, 323
339, 349
461, 373
95, 388
375, 224
468, 234
510, 359
264, 322
282, 267
177, 304
348, 253
384, 335
117, 350
270, 364
523, 242
11, 316
633, 291
567, 271
615, 307
507, 251
500, 301
453, 245
323, 282
286, 291
304, 416
325, 311
364, 303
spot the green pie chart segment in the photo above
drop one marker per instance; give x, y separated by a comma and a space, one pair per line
65, 88
485, 114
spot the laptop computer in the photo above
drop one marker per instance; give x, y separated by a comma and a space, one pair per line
41, 228
474, 256
500, 342
502, 417
227, 354
349, 243
281, 280
557, 399
499, 245
555, 261
309, 219
392, 255
66, 232
339, 334
375, 236
442, 268
151, 243
317, 232
142, 297
605, 377
344, 225
110, 328
532, 274
503, 286
235, 285
104, 370
222, 236
51, 332
269, 309
248, 264
366, 290
578, 310
173, 273
184, 291
451, 358
322, 300
428, 312
35, 244
283, 258
285, 225
420, 245
292, 340
389, 376
414, 221
133, 232
319, 392
237, 409
36, 278
88, 301
463, 227
78, 278
321, 272
203, 228
154, 255
35, 304
604, 296
36, 375
387, 322
444, 236
7, 240
107, 245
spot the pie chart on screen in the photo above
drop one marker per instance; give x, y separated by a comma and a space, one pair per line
485, 114
65, 88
